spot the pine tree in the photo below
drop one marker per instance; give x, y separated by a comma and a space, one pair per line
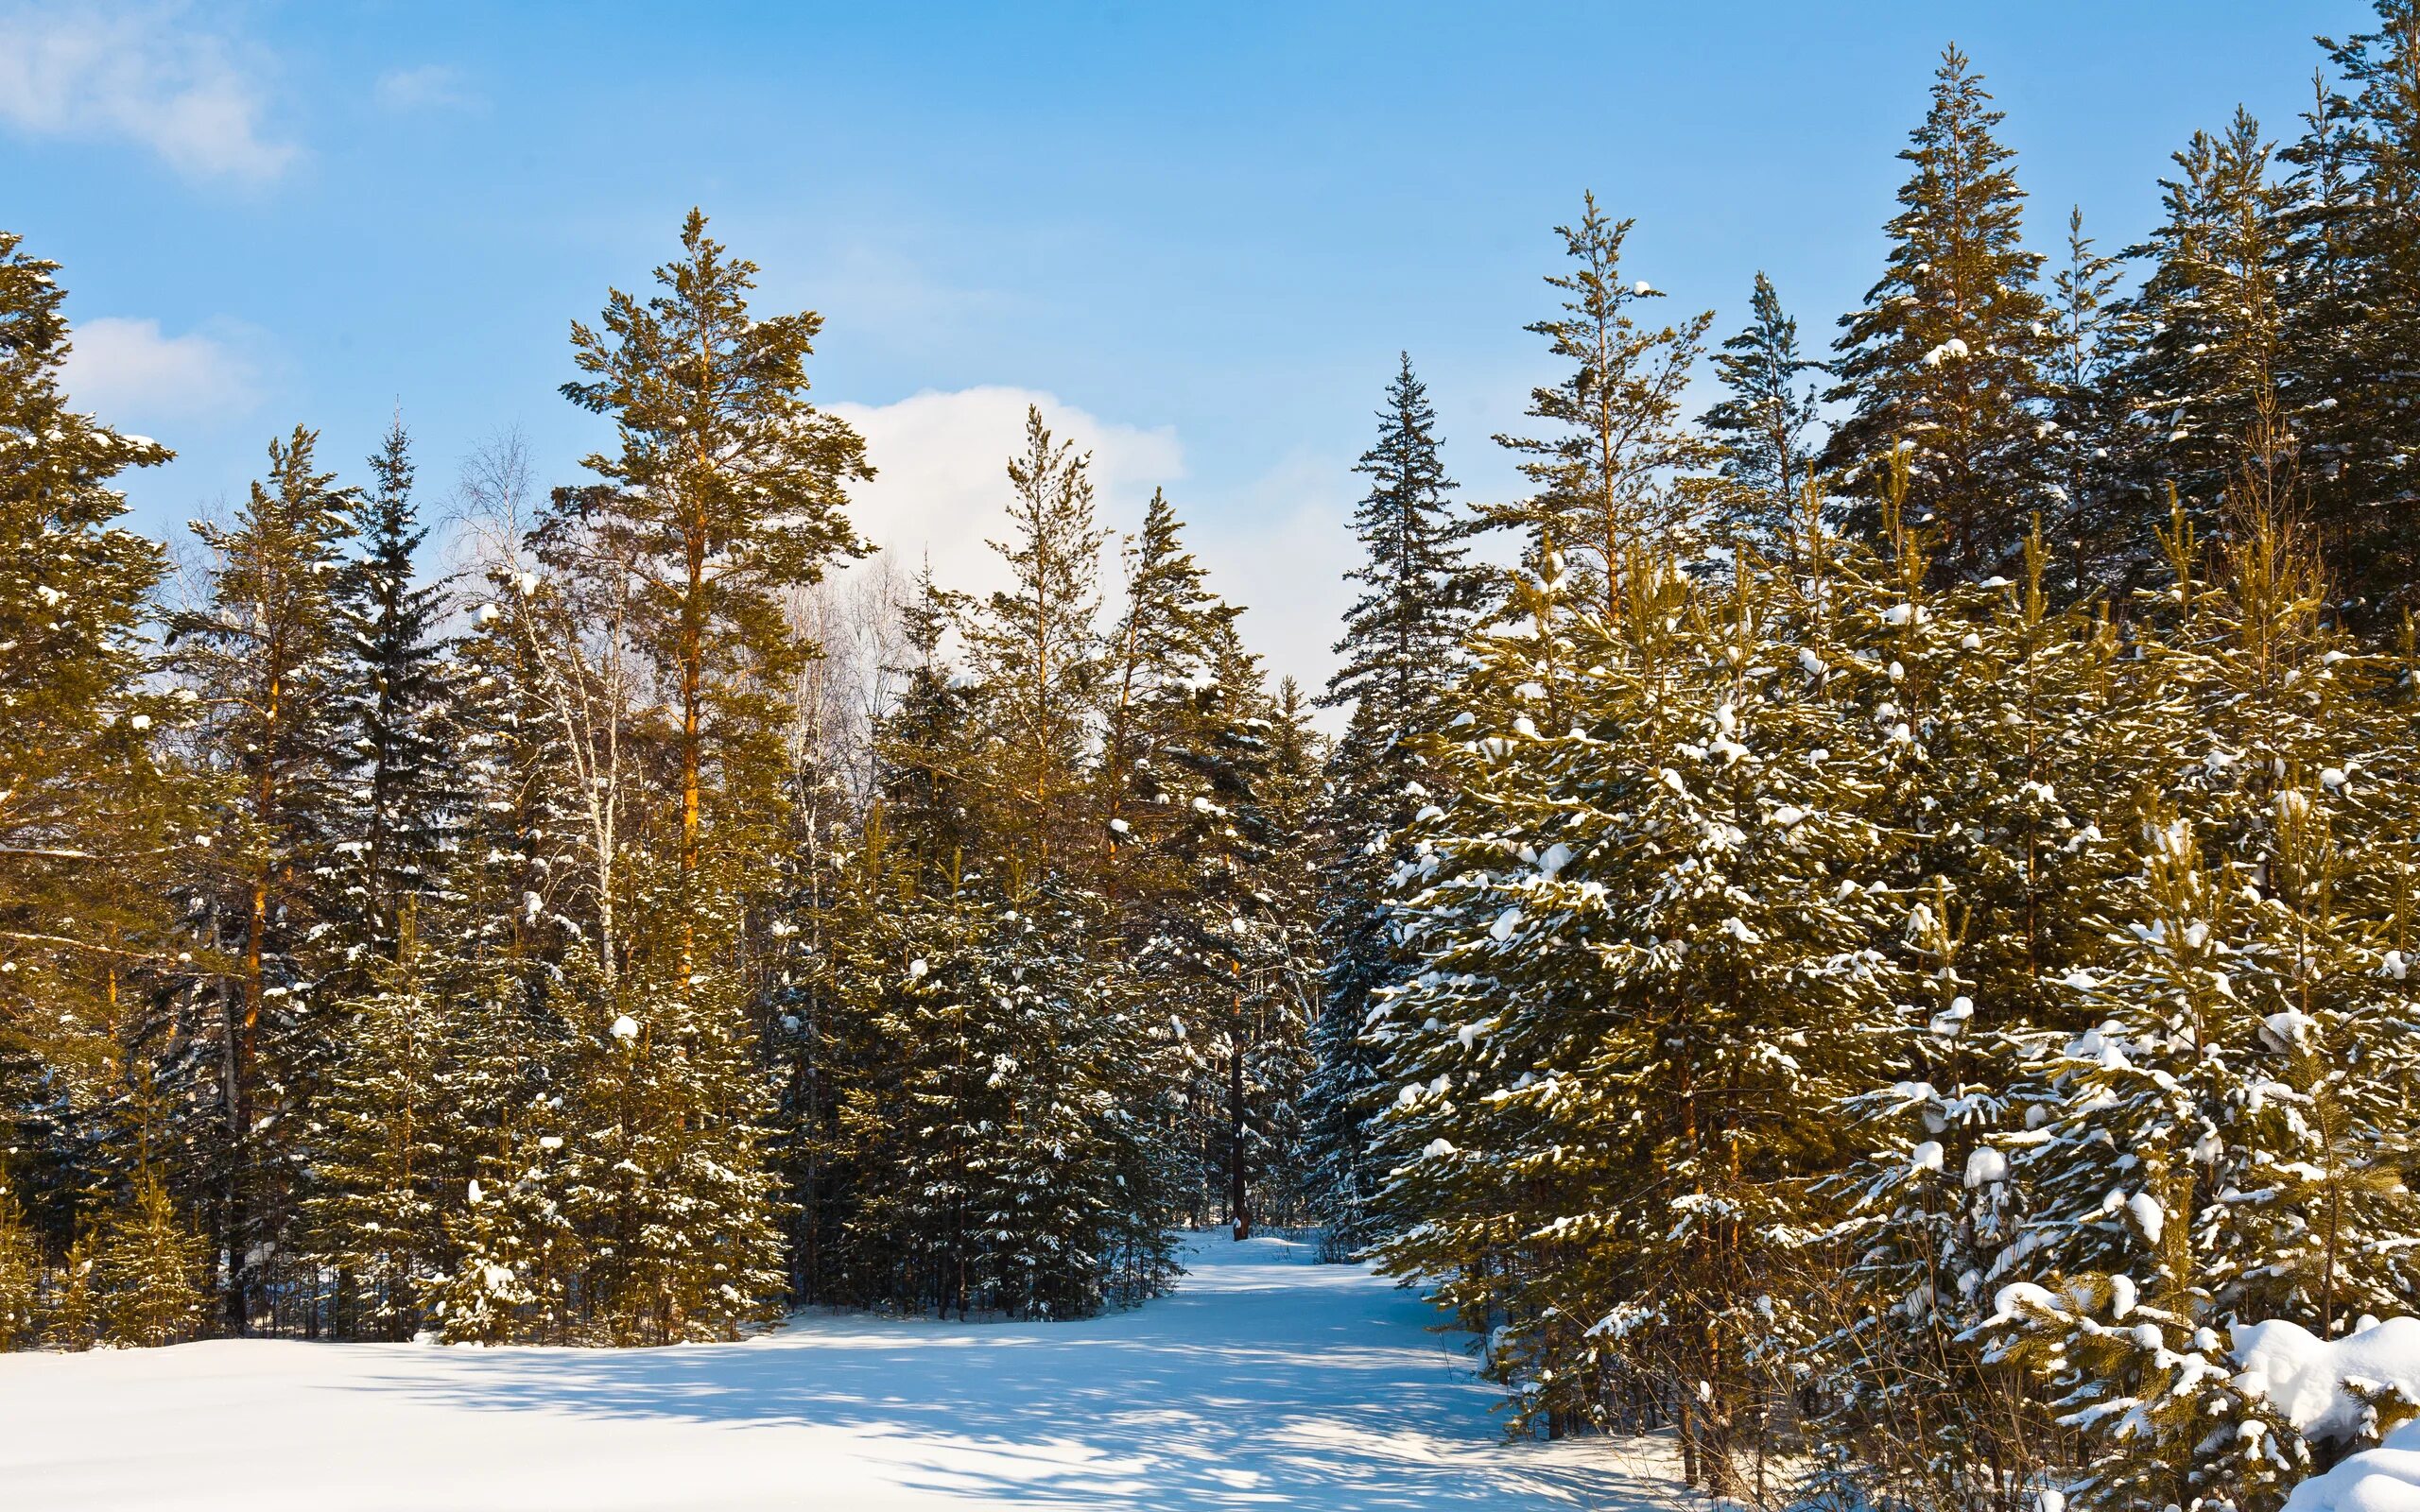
1616, 474
1036, 647
1944, 360
95, 817
728, 488
1764, 426
261, 655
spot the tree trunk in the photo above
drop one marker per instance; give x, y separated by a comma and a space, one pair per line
1238, 1207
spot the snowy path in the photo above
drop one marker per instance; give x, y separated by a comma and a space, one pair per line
1265, 1382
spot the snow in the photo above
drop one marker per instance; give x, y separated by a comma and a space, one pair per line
2147, 1215
1265, 1380
2305, 1377
2385, 1479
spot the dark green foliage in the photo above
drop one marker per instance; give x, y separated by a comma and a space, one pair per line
1944, 361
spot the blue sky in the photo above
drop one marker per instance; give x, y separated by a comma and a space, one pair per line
1202, 231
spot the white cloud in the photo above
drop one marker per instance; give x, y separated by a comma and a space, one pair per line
429, 87
941, 484
1278, 544
138, 74
125, 371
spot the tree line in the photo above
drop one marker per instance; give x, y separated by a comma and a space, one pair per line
1890, 938
1872, 947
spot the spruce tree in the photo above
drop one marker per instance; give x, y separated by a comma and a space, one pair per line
149, 1269
1944, 360
1419, 591
383, 1155
1396, 661
390, 749
21, 1275
2361, 286
2207, 375
1616, 471
664, 1170
2097, 524
1765, 425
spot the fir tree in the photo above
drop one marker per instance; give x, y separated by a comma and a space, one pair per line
390, 753
1944, 359
1764, 426
2207, 375
1616, 474
383, 1156
1398, 659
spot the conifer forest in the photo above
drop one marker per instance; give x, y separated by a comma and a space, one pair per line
1855, 932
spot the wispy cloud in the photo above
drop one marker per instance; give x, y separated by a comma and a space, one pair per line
127, 372
142, 74
427, 87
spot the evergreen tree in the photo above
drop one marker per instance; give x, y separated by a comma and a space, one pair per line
94, 815
665, 1175
1418, 590
1035, 649
2207, 375
263, 655
1159, 652
2358, 280
149, 1269
383, 1156
21, 1276
1616, 1063
728, 488
1763, 426
1617, 472
1944, 360
2096, 525
390, 752
1398, 659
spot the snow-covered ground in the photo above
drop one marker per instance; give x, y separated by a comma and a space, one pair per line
1265, 1382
